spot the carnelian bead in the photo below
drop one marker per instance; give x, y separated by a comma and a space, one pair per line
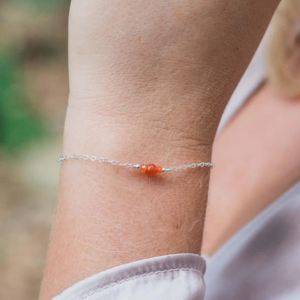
151, 170
143, 168
159, 170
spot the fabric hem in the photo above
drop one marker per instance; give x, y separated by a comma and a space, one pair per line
134, 270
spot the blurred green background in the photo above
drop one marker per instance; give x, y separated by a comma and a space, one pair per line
33, 99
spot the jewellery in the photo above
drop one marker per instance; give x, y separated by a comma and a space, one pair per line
149, 169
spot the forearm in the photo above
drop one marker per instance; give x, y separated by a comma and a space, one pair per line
153, 93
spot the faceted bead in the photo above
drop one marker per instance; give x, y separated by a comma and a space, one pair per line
159, 170
151, 170
143, 168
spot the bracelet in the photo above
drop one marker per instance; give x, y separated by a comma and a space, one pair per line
149, 169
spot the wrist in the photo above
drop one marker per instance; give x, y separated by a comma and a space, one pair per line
105, 188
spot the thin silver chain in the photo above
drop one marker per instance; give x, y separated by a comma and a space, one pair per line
135, 166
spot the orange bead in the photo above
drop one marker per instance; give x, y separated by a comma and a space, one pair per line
151, 170
159, 170
143, 168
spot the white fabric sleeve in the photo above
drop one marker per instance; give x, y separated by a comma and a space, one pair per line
170, 277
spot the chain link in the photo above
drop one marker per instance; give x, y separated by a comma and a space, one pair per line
134, 166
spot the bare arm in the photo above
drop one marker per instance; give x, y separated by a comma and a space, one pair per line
148, 83
263, 140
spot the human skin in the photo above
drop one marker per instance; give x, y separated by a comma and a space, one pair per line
148, 83
257, 155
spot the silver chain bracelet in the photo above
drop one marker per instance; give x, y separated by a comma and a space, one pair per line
149, 169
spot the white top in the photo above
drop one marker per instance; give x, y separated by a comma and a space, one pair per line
171, 277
